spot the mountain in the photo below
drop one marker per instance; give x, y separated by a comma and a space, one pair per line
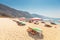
7, 11
39, 16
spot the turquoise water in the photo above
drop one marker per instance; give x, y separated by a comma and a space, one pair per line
56, 21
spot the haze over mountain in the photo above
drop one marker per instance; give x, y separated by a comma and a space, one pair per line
11, 12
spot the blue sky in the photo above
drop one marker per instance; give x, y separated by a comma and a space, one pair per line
50, 8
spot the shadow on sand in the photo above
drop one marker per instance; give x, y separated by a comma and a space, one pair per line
37, 36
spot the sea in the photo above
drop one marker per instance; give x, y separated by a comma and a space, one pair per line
56, 20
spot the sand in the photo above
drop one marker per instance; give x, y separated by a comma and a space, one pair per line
9, 30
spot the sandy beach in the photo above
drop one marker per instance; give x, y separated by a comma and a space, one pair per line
9, 30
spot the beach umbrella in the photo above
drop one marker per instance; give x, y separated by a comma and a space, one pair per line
22, 18
37, 29
35, 18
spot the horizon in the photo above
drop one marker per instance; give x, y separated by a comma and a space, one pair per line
49, 8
